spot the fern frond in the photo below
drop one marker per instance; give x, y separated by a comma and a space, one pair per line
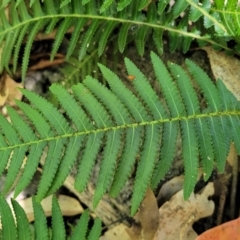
70, 156
195, 14
81, 227
40, 223
122, 4
229, 101
122, 37
92, 17
8, 230
64, 2
190, 156
209, 89
145, 90
17, 47
133, 136
192, 107
111, 151
229, 13
96, 230
125, 124
15, 224
105, 5
179, 7
17, 158
4, 154
75, 36
23, 228
75, 71
57, 121
169, 135
62, 29
50, 167
105, 36
170, 91
146, 165
27, 50
92, 147
88, 38
214, 102
58, 228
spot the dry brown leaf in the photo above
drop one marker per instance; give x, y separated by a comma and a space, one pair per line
147, 224
134, 232
169, 188
232, 155
116, 233
69, 206
149, 215
177, 215
44, 63
147, 219
9, 91
226, 68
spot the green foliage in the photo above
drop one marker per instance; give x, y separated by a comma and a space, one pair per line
229, 14
20, 229
125, 124
100, 18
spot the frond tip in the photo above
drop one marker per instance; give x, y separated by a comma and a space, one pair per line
118, 125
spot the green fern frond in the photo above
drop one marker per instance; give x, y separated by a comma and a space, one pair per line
64, 2
125, 124
23, 229
88, 37
75, 36
74, 71
9, 230
229, 14
122, 38
97, 22
15, 224
122, 4
40, 223
62, 29
142, 4
108, 29
106, 4
179, 7
195, 14
214, 102
170, 133
190, 156
58, 228
82, 227
96, 230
